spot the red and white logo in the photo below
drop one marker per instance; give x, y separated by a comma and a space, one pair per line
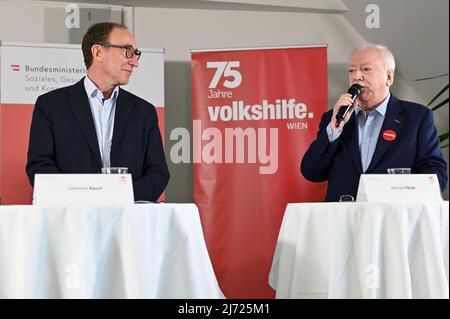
389, 135
15, 67
123, 179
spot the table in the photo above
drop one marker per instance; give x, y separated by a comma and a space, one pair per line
140, 251
362, 250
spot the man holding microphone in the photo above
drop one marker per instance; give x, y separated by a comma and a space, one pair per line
369, 130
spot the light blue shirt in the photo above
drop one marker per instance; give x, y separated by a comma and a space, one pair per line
368, 131
103, 112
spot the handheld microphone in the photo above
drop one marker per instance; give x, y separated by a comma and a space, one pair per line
355, 91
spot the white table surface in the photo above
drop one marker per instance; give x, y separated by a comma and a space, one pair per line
362, 250
140, 251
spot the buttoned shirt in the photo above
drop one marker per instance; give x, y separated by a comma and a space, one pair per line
103, 112
369, 127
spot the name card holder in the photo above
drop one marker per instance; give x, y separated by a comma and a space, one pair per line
83, 189
398, 188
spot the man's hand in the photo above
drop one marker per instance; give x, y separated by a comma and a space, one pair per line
344, 99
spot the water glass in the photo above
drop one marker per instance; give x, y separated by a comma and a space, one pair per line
402, 170
114, 170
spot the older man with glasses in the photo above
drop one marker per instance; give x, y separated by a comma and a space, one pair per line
95, 123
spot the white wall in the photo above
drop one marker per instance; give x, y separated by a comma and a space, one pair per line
41, 21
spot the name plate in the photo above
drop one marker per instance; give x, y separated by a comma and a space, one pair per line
398, 188
83, 189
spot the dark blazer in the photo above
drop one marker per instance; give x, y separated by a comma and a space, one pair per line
416, 146
63, 139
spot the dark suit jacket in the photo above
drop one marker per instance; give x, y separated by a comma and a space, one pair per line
416, 146
63, 139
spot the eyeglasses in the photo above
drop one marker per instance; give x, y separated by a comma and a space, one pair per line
129, 50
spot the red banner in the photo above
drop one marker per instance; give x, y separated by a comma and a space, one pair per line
255, 112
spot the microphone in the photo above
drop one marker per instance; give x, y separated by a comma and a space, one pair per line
355, 91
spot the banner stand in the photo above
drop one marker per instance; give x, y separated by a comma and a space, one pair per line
255, 112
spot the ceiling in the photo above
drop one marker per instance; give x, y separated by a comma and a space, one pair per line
324, 6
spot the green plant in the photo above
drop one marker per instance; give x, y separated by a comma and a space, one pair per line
444, 136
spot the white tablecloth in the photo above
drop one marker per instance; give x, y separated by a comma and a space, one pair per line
362, 250
141, 251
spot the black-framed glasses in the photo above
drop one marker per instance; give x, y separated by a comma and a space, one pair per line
129, 50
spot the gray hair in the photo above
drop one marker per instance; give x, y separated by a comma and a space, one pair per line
389, 60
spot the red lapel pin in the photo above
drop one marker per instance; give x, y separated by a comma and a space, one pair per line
389, 135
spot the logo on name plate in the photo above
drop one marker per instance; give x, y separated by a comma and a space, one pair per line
431, 179
123, 179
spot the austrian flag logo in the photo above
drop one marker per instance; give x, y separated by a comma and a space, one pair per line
15, 67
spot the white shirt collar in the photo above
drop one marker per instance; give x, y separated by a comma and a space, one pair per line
92, 90
381, 109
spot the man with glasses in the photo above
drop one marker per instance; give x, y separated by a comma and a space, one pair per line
95, 123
